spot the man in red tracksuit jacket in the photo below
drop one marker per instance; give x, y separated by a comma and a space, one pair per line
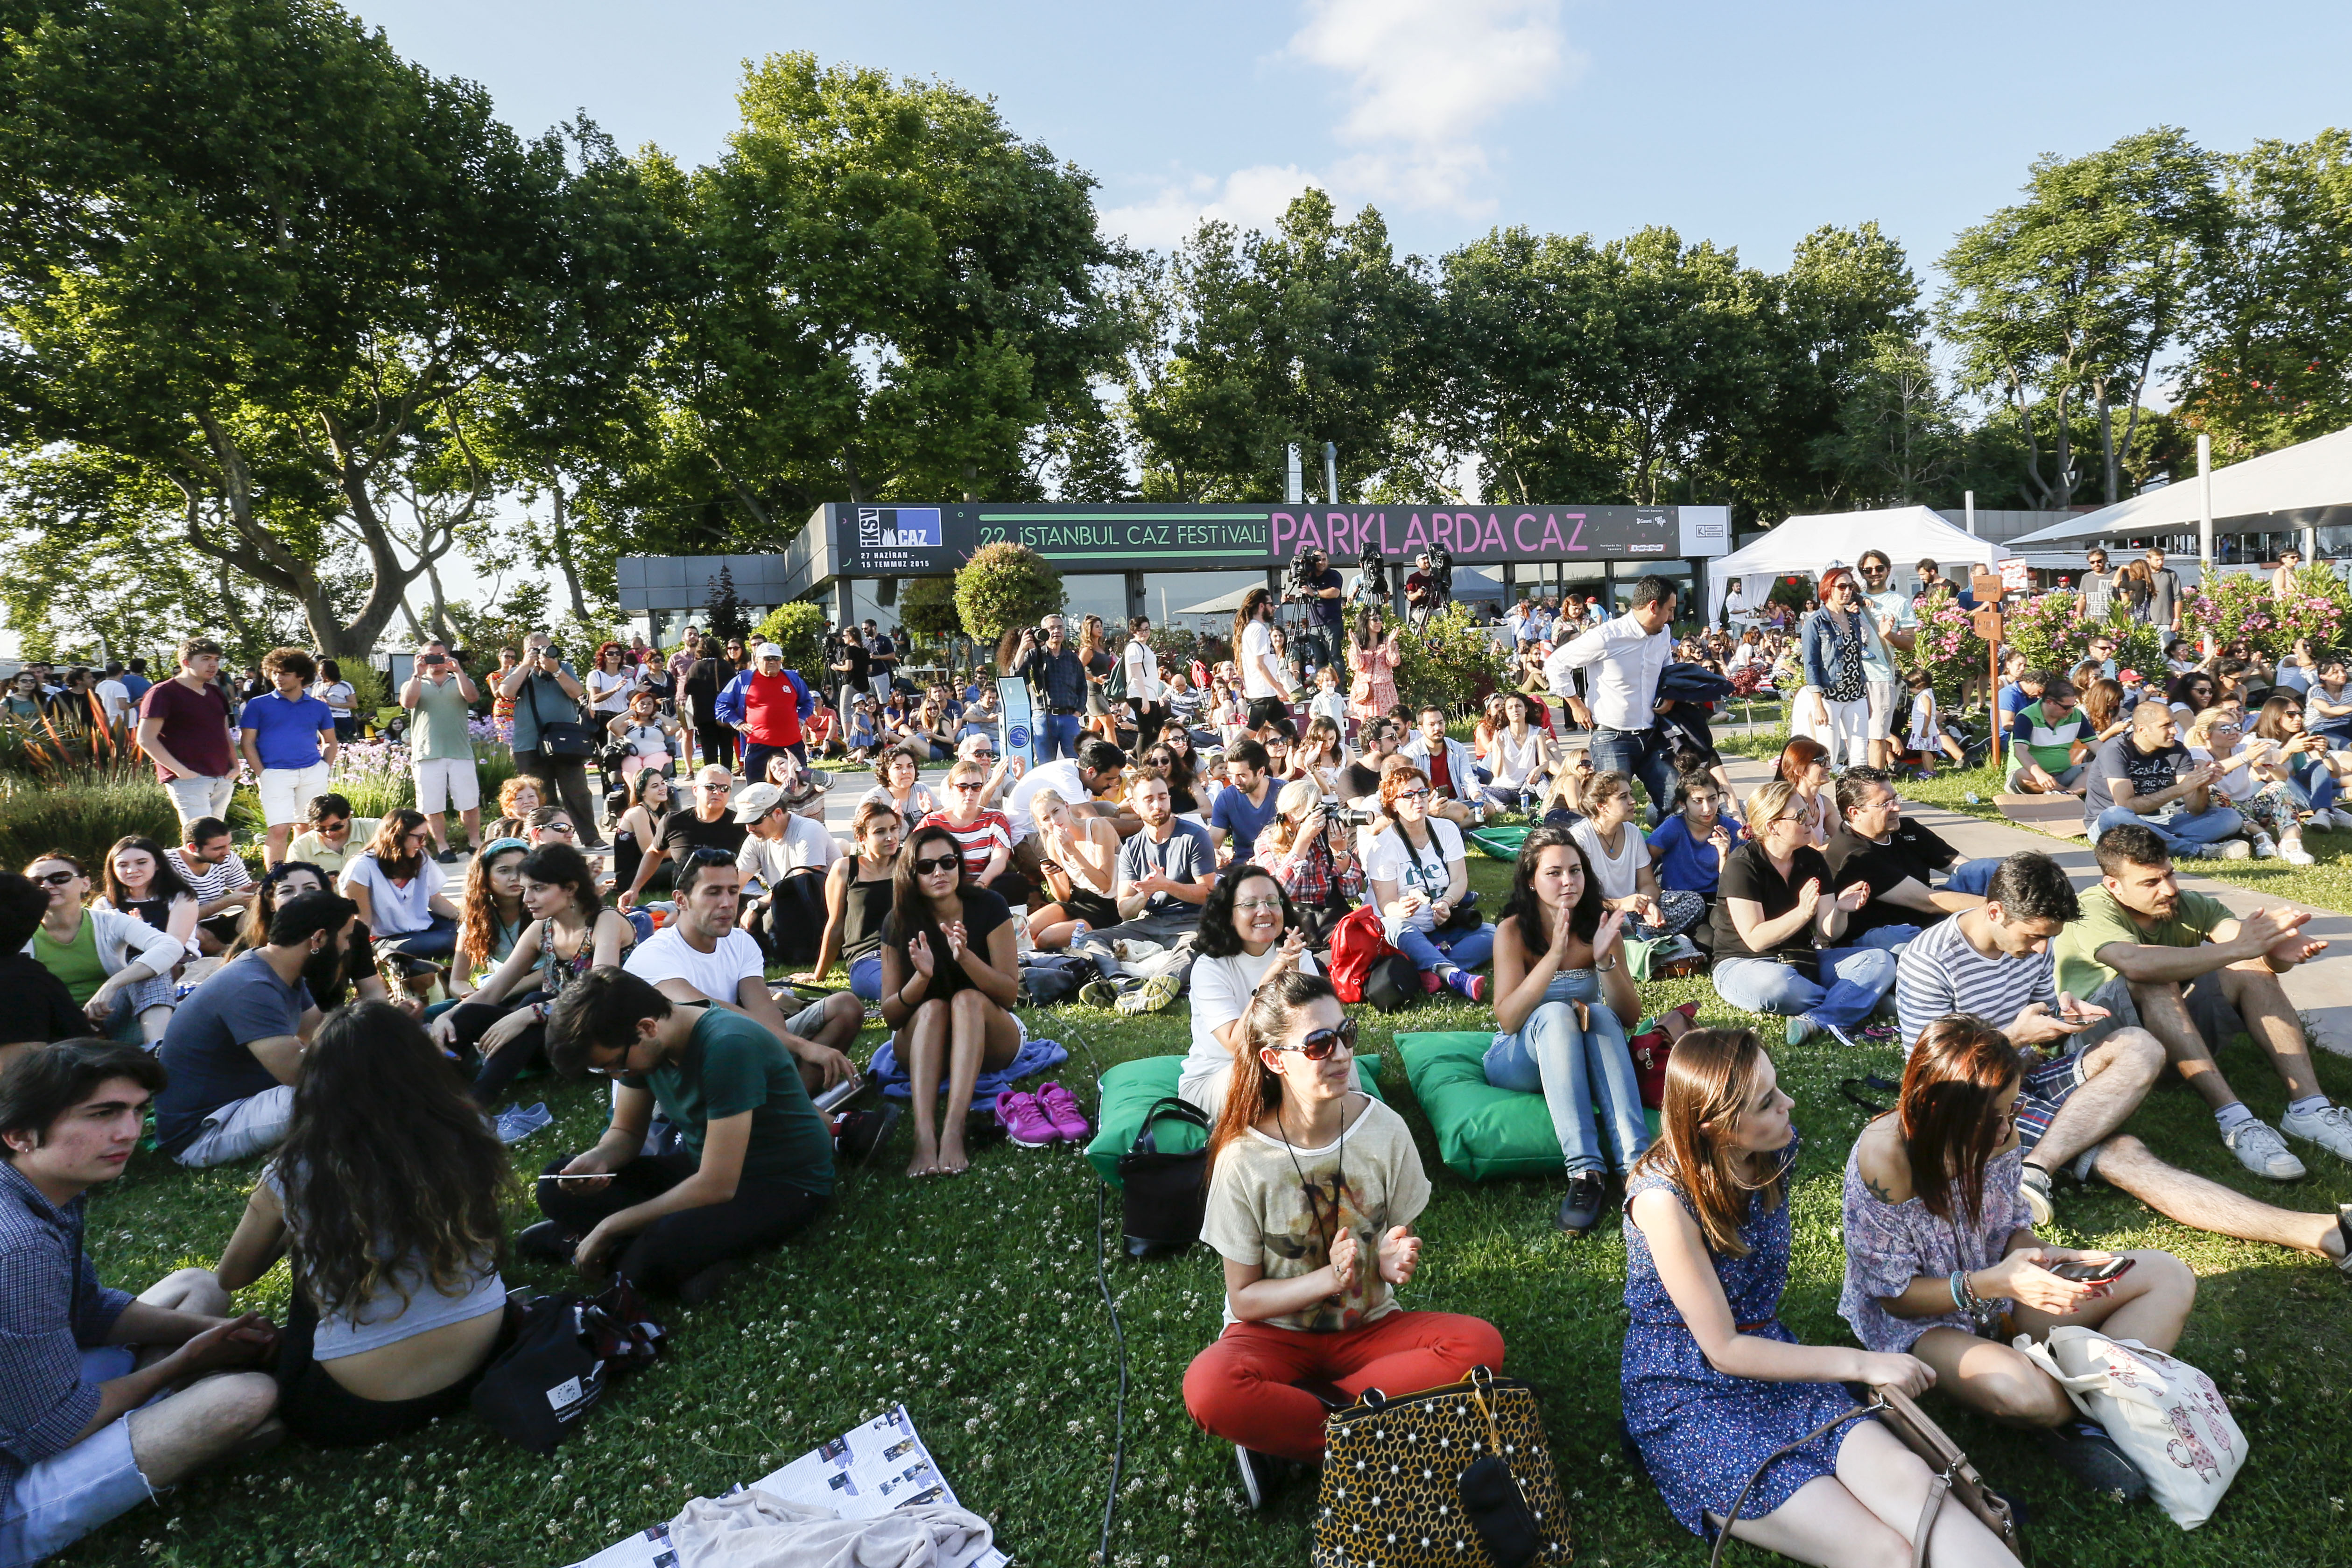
765, 704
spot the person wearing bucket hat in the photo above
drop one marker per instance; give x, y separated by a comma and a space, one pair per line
784, 860
764, 705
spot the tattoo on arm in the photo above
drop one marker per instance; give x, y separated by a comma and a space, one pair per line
1878, 1192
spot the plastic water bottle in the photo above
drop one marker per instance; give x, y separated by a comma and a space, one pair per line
1970, 797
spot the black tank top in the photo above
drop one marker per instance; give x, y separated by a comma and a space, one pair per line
862, 916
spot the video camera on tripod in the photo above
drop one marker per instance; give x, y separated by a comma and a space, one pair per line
1440, 572
1304, 567
1375, 583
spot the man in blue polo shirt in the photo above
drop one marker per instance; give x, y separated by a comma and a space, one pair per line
288, 737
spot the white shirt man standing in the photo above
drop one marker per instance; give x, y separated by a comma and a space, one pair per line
1622, 661
1266, 684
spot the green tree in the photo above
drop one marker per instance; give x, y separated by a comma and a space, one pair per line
1003, 586
2068, 298
1897, 437
928, 607
2272, 339
271, 280
799, 630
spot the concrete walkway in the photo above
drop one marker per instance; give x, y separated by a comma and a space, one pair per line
2321, 990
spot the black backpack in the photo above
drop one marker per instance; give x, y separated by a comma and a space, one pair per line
1393, 984
1164, 1196
554, 1366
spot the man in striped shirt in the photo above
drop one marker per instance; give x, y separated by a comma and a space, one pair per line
2085, 1075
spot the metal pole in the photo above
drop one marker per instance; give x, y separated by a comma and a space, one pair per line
1330, 473
2205, 513
1294, 484
1970, 501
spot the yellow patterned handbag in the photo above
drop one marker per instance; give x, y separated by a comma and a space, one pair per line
1459, 1476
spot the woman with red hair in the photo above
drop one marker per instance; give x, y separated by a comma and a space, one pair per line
1834, 706
1941, 1261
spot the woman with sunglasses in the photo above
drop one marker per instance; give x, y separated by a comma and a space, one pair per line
1314, 1187
1834, 706
984, 836
1175, 764
654, 739
2254, 779
333, 975
1419, 875
1373, 655
1713, 1385
2315, 774
651, 797
1942, 1263
1247, 938
858, 892
116, 967
949, 977
1563, 996
2191, 694
397, 886
502, 1028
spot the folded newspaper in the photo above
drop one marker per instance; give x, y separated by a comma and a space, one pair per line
862, 1474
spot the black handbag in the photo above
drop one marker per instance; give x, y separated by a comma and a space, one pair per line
557, 1362
567, 740
1163, 1195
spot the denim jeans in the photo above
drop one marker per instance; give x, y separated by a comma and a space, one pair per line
1972, 876
2180, 832
1641, 753
1859, 976
1462, 950
1573, 1069
1887, 938
2314, 786
1058, 735
866, 978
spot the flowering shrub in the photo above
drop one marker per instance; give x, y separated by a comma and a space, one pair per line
2052, 631
1947, 647
2240, 608
374, 774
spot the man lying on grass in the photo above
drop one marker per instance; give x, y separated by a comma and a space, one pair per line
103, 1398
756, 1168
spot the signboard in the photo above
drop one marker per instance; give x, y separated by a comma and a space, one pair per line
937, 539
2016, 576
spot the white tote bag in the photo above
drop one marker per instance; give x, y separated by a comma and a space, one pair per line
2166, 1416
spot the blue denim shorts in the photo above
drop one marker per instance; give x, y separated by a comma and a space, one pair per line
76, 1490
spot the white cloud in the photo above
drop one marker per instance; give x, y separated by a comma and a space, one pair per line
1422, 79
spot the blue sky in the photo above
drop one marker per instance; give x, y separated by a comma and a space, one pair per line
1747, 124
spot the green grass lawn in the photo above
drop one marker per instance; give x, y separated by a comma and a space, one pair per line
974, 1300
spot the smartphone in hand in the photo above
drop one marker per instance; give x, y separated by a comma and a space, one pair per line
2093, 1273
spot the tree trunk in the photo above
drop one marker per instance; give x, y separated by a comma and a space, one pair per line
563, 558
2107, 460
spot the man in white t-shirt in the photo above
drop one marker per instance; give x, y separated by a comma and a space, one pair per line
114, 695
784, 860
1144, 687
1092, 774
1266, 684
702, 957
1890, 610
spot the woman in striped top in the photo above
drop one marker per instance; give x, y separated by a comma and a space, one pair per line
984, 837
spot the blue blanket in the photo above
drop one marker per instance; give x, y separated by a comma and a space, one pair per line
1034, 1056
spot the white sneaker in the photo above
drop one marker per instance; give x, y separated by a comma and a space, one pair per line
2330, 1127
2265, 849
2294, 854
2263, 1151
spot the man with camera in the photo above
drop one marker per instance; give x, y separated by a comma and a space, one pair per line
441, 747
550, 741
1315, 582
1421, 589
1055, 672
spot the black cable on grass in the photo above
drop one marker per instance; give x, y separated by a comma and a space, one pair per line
1117, 1331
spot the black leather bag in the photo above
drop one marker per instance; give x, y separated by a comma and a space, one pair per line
1164, 1196
571, 741
557, 1362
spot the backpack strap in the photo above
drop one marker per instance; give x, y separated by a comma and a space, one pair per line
1167, 1105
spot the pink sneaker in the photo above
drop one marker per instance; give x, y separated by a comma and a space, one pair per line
1471, 986
1024, 1119
1061, 1108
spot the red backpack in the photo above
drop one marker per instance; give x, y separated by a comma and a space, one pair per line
1365, 967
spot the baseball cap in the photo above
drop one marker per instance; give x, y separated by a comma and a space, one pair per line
754, 801
767, 651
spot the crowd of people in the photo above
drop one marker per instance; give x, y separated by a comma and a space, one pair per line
361, 1011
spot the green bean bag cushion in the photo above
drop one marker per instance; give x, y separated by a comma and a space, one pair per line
1131, 1088
1482, 1132
1503, 843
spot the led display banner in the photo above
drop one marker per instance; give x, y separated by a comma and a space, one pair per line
919, 540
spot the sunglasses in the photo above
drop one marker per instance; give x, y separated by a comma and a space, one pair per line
566, 829
57, 878
704, 854
1318, 1045
334, 825
1412, 795
944, 862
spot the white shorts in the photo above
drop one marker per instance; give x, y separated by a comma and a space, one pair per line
63, 1498
447, 784
1883, 708
286, 792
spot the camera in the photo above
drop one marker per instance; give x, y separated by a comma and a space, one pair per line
1375, 582
1440, 572
1300, 583
552, 651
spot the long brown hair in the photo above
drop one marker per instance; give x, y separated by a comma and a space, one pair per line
1797, 756
911, 914
1710, 1079
478, 929
1254, 1090
2102, 701
1959, 1066
387, 844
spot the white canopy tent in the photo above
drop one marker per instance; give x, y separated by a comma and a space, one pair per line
2289, 485
1813, 544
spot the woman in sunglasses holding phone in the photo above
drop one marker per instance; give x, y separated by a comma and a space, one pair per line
1940, 1250
949, 976
1314, 1187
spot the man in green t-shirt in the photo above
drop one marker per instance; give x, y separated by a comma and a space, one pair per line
756, 1168
441, 747
2181, 965
2050, 746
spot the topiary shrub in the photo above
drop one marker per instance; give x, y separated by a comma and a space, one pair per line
1003, 586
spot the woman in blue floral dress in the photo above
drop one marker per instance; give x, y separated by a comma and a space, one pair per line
1713, 1382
